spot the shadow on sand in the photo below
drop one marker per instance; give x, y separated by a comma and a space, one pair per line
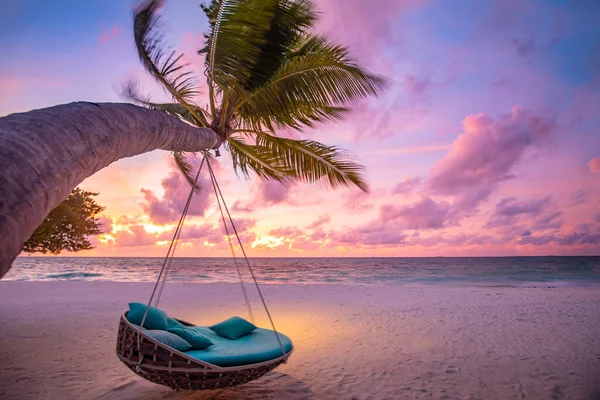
271, 386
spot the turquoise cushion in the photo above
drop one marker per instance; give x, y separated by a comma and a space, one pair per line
233, 328
137, 327
172, 323
258, 346
170, 339
196, 339
156, 319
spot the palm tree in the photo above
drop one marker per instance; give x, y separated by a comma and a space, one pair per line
265, 70
45, 153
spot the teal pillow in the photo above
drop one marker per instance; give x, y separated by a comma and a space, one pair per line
170, 339
156, 319
172, 323
233, 328
198, 341
141, 328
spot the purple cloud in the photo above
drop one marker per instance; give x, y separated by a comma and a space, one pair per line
318, 235
486, 154
176, 191
423, 214
370, 235
570, 239
579, 196
510, 215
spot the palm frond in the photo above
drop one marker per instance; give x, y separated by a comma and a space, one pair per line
186, 169
247, 157
291, 20
313, 83
278, 115
164, 67
236, 37
131, 92
314, 162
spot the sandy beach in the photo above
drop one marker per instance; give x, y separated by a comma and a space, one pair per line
57, 341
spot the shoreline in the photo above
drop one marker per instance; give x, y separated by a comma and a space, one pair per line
57, 340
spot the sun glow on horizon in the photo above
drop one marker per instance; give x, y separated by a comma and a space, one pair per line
267, 242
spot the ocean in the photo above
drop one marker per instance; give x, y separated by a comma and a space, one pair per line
456, 271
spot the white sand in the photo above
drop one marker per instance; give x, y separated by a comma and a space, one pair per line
57, 341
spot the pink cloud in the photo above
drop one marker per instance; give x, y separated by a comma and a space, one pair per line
272, 192
158, 211
416, 149
594, 165
416, 85
9, 85
107, 35
201, 231
372, 234
134, 235
264, 193
408, 185
579, 196
358, 201
486, 154
289, 232
363, 26
169, 207
423, 214
244, 224
105, 223
319, 235
204, 231
460, 239
321, 220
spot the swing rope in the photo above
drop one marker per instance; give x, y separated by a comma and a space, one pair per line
214, 184
262, 299
167, 262
164, 271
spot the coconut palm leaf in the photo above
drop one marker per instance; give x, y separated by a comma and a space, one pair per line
247, 157
313, 83
166, 68
183, 164
291, 20
237, 34
314, 162
265, 70
131, 92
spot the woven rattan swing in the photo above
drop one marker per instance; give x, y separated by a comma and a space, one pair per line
159, 363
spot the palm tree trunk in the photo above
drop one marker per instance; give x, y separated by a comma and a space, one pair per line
46, 153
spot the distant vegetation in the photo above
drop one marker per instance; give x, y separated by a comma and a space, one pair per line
68, 226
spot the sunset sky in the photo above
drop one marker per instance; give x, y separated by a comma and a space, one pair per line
486, 143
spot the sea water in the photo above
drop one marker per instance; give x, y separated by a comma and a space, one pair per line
463, 271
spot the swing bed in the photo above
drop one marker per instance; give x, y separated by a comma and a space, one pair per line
224, 364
